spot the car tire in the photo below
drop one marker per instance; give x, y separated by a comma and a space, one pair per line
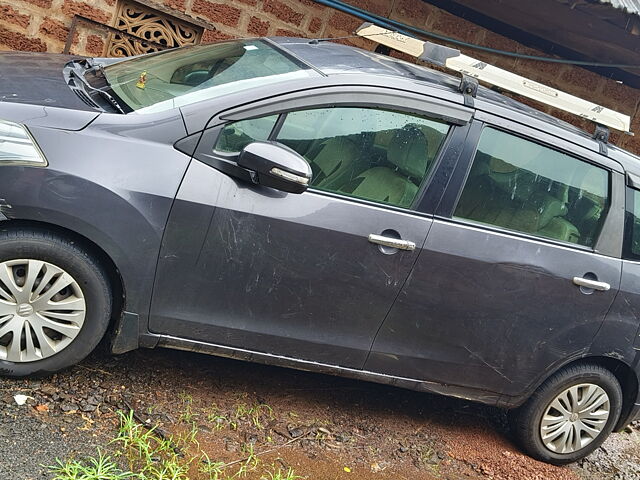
573, 398
61, 299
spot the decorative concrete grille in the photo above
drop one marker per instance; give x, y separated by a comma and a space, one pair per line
148, 24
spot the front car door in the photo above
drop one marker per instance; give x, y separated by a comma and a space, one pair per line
492, 303
299, 276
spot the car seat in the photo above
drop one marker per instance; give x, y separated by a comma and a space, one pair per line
396, 184
501, 194
333, 162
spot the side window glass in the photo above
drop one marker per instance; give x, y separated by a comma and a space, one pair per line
632, 225
526, 187
237, 135
372, 154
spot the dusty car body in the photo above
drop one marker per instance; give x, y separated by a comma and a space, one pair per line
418, 292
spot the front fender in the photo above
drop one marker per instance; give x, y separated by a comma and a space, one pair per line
112, 188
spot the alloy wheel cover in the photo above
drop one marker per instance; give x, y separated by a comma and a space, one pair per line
575, 418
42, 310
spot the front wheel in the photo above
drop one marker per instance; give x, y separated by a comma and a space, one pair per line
55, 303
570, 414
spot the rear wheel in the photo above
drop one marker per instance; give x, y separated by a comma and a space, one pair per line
55, 303
570, 415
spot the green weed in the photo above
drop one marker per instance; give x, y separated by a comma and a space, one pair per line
214, 470
100, 468
187, 414
257, 414
279, 474
215, 416
151, 456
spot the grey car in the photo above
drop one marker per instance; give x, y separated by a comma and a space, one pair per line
311, 205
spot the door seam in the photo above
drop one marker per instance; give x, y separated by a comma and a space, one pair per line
384, 320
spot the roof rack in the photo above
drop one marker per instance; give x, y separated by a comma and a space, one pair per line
473, 70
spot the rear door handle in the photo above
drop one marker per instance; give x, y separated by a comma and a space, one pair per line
392, 242
594, 284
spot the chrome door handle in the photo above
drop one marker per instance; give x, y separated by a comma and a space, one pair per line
392, 242
595, 285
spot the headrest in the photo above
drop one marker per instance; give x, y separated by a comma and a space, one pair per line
408, 151
500, 166
332, 153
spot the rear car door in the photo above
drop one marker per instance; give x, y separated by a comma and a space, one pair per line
304, 276
503, 290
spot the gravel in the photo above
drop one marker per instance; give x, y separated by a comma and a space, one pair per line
326, 423
29, 444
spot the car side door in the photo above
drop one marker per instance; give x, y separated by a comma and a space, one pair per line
310, 276
518, 272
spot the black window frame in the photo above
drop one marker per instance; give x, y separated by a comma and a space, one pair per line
627, 237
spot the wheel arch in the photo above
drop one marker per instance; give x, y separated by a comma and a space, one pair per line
624, 373
628, 380
114, 277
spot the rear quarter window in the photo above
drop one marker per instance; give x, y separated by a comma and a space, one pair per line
520, 185
631, 247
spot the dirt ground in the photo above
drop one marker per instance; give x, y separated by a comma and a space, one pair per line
323, 427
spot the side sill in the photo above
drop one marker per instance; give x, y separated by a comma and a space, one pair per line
475, 395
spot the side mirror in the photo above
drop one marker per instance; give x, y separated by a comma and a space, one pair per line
277, 166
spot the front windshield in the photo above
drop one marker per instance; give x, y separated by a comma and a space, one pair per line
173, 78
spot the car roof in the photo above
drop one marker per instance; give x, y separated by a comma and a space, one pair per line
333, 58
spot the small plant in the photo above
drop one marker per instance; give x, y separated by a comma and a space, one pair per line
150, 455
250, 463
279, 474
189, 437
187, 415
260, 411
214, 416
100, 468
257, 414
213, 469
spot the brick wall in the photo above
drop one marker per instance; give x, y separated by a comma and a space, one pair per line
43, 25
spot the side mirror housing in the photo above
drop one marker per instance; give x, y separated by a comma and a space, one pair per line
277, 166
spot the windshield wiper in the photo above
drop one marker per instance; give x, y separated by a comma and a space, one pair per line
93, 66
112, 101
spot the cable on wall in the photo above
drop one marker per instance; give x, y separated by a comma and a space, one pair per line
414, 31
